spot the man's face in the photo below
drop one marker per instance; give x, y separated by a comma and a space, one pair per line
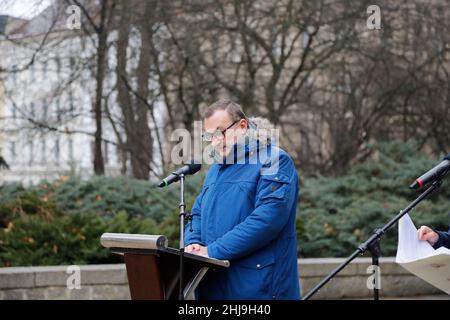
220, 121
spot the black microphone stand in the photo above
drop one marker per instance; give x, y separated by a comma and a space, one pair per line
182, 214
373, 242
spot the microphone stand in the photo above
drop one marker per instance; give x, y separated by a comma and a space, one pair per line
182, 214
373, 242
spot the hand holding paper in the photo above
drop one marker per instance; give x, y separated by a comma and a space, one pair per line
420, 258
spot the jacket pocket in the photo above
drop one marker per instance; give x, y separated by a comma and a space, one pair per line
274, 186
255, 261
252, 277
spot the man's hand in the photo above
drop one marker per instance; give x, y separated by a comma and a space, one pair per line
198, 249
427, 234
203, 251
192, 248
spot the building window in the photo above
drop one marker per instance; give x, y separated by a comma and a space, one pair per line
71, 105
14, 75
105, 152
58, 67
30, 152
44, 70
43, 151
14, 111
44, 110
57, 153
32, 110
72, 65
58, 110
33, 72
12, 151
70, 149
92, 149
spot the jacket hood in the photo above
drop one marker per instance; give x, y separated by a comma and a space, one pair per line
261, 130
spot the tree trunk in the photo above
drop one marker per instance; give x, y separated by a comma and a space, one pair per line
142, 145
133, 103
99, 166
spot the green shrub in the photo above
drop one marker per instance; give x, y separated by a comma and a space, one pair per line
61, 222
100, 195
69, 239
336, 214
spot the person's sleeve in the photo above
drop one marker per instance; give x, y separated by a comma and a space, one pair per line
195, 235
276, 193
444, 239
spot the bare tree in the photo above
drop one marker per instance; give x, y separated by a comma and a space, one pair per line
101, 30
313, 68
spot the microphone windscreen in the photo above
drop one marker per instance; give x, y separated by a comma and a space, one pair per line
194, 167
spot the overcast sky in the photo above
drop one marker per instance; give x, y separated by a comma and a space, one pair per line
25, 9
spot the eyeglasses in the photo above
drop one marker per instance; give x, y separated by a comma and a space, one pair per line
217, 134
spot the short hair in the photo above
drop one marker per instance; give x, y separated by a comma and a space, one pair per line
233, 109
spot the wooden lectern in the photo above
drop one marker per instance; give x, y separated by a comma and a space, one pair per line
153, 268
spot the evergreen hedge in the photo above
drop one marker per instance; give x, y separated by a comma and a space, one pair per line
61, 222
338, 213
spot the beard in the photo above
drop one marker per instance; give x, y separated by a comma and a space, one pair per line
228, 154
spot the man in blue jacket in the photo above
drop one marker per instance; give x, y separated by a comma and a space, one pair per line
435, 238
246, 211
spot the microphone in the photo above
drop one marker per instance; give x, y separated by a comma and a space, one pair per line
187, 169
436, 173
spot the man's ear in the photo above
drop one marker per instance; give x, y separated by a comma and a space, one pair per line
243, 124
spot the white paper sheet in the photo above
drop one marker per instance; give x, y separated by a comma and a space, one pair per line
420, 258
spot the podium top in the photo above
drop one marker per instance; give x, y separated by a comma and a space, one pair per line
149, 244
209, 260
134, 241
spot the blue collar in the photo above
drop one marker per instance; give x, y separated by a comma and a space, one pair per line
243, 153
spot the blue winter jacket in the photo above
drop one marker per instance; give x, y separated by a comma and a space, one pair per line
246, 213
444, 239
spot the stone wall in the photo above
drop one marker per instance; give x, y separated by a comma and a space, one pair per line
110, 281
351, 282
